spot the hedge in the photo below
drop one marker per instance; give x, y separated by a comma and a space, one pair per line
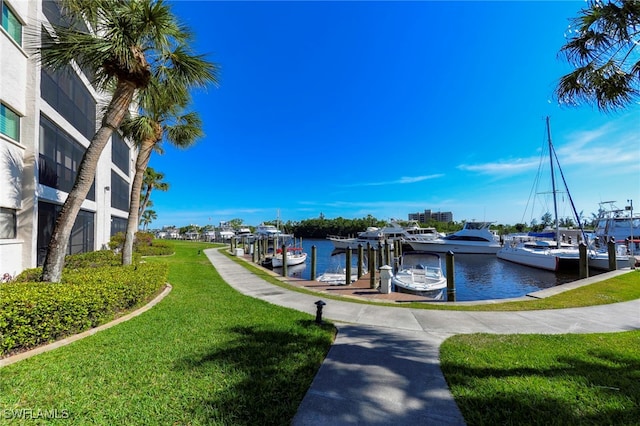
34, 313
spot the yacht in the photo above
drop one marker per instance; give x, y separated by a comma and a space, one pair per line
388, 234
473, 238
620, 224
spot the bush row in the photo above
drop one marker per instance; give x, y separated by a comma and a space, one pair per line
33, 313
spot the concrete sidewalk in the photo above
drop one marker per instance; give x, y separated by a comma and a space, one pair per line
384, 366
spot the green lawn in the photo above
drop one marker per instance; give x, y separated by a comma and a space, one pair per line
204, 355
567, 379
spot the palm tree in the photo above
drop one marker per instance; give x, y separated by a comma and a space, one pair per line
147, 217
162, 117
126, 44
151, 180
603, 50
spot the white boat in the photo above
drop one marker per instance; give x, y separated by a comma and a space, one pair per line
620, 224
554, 255
473, 238
338, 276
387, 234
372, 236
295, 256
268, 231
422, 279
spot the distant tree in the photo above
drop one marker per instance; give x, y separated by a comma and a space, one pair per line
602, 46
147, 217
546, 220
152, 180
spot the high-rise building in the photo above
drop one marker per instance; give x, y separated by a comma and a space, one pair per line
429, 215
47, 120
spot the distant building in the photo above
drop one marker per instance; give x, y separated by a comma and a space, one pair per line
47, 120
429, 215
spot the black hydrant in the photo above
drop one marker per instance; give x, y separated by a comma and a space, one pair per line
319, 305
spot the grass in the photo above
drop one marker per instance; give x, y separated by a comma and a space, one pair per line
205, 355
570, 379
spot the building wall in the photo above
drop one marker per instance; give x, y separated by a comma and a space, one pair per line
20, 188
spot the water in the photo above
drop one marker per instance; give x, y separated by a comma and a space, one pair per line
477, 277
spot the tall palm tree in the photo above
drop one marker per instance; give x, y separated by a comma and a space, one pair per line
147, 217
151, 180
127, 42
162, 118
603, 48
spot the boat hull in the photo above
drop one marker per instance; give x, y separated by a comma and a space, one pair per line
530, 258
292, 259
457, 248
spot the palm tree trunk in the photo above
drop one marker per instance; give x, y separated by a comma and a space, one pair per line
143, 204
57, 248
134, 204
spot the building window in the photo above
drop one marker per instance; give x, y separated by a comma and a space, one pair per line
119, 192
8, 224
9, 123
67, 94
82, 235
60, 156
120, 152
118, 224
11, 24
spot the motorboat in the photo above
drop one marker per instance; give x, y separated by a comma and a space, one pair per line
338, 276
424, 279
621, 225
388, 234
295, 256
473, 238
372, 236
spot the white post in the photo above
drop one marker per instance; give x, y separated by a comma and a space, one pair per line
385, 279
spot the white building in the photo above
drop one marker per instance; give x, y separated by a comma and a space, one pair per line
46, 122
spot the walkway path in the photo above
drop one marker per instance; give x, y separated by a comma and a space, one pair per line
384, 367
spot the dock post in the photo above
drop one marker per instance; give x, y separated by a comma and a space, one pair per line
347, 275
360, 260
387, 250
451, 283
583, 263
284, 260
380, 254
611, 250
313, 262
372, 267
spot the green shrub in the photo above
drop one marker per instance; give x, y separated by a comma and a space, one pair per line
144, 244
33, 313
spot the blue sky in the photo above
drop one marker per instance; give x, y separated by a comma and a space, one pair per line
387, 108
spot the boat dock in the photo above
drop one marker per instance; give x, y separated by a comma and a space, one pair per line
359, 289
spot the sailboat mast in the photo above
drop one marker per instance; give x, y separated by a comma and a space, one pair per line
553, 185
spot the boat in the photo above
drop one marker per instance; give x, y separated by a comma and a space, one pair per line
388, 234
338, 276
473, 238
621, 225
550, 254
372, 236
295, 256
422, 279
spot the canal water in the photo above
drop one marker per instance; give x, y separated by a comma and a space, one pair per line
477, 277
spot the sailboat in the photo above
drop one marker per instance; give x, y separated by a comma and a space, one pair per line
544, 254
